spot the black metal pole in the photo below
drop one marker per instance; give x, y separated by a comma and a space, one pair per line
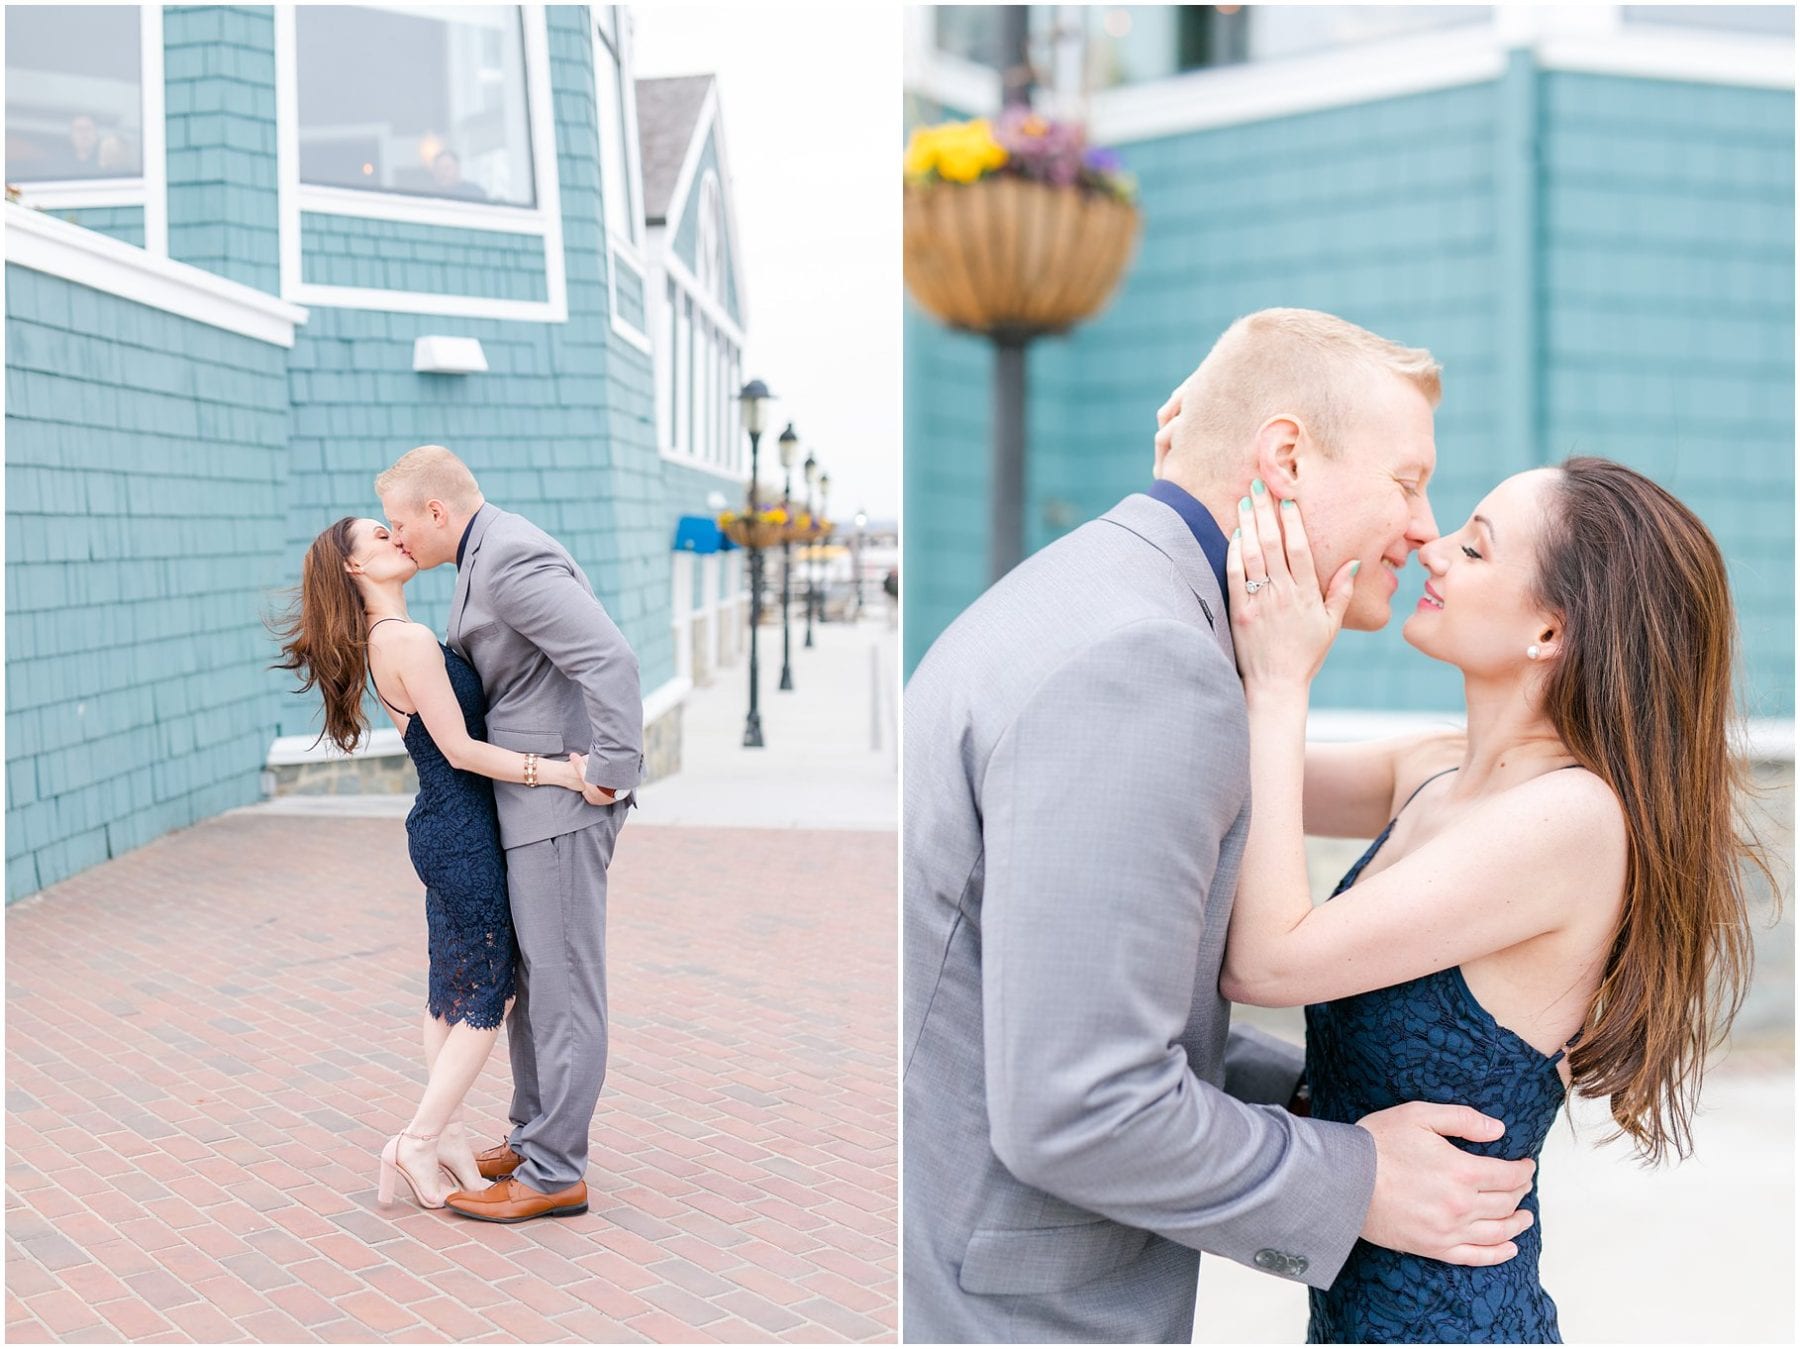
1006, 537
753, 736
820, 558
812, 568
787, 571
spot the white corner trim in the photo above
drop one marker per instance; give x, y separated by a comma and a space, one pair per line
1259, 90
660, 701
1692, 55
1765, 739
155, 139
46, 244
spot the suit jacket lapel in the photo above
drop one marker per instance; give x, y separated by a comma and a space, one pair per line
483, 518
1167, 532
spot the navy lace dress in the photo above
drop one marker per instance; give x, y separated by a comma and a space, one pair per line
453, 838
1429, 1040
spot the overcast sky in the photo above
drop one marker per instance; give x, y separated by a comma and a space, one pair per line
810, 99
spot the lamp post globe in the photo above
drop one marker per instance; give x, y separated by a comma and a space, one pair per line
789, 444
753, 403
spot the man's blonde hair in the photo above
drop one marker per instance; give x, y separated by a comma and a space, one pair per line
1307, 364
430, 473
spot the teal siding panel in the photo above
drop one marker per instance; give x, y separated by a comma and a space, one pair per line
338, 250
1668, 319
145, 467
219, 72
124, 223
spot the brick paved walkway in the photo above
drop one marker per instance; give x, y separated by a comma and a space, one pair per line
208, 1039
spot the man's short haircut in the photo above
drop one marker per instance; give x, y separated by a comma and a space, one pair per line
1307, 364
429, 473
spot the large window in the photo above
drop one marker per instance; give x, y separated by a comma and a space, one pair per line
615, 98
74, 93
699, 415
426, 101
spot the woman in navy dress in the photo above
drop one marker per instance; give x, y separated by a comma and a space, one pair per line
349, 626
1554, 899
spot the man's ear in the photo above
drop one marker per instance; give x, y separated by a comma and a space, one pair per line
1277, 455
440, 513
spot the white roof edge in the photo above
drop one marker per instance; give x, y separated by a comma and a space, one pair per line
43, 243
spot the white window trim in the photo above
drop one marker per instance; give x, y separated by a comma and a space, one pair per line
715, 311
544, 220
628, 252
681, 611
1577, 38
687, 285
88, 258
150, 189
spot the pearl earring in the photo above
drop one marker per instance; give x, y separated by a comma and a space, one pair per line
1532, 651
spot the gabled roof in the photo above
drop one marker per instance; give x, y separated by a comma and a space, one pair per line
668, 112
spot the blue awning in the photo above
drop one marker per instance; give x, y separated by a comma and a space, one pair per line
699, 534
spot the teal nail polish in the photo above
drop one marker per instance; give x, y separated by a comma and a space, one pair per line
1243, 503
1256, 485
1355, 567
1288, 505
1237, 533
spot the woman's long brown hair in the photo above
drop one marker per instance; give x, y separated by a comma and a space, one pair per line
324, 636
1642, 695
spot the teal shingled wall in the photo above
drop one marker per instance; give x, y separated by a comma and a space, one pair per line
559, 430
145, 457
163, 477
337, 250
124, 223
220, 90
1577, 250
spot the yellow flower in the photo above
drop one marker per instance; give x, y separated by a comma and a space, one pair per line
959, 152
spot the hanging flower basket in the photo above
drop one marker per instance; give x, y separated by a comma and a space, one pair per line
1016, 230
764, 529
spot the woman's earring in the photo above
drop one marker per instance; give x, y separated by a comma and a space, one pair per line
1531, 651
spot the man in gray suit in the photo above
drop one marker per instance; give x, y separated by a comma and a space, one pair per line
1081, 1120
559, 679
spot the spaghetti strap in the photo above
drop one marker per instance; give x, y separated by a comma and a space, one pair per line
1421, 787
372, 684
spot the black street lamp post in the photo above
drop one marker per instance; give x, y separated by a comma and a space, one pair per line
812, 477
862, 528
753, 399
790, 446
819, 554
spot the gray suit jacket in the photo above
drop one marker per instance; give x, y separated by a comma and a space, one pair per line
1080, 1121
558, 674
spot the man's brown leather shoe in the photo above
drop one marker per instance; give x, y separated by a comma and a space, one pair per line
513, 1201
499, 1162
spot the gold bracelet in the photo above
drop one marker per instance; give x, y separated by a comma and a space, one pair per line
531, 765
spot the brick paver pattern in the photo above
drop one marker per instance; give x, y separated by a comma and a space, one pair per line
208, 1039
